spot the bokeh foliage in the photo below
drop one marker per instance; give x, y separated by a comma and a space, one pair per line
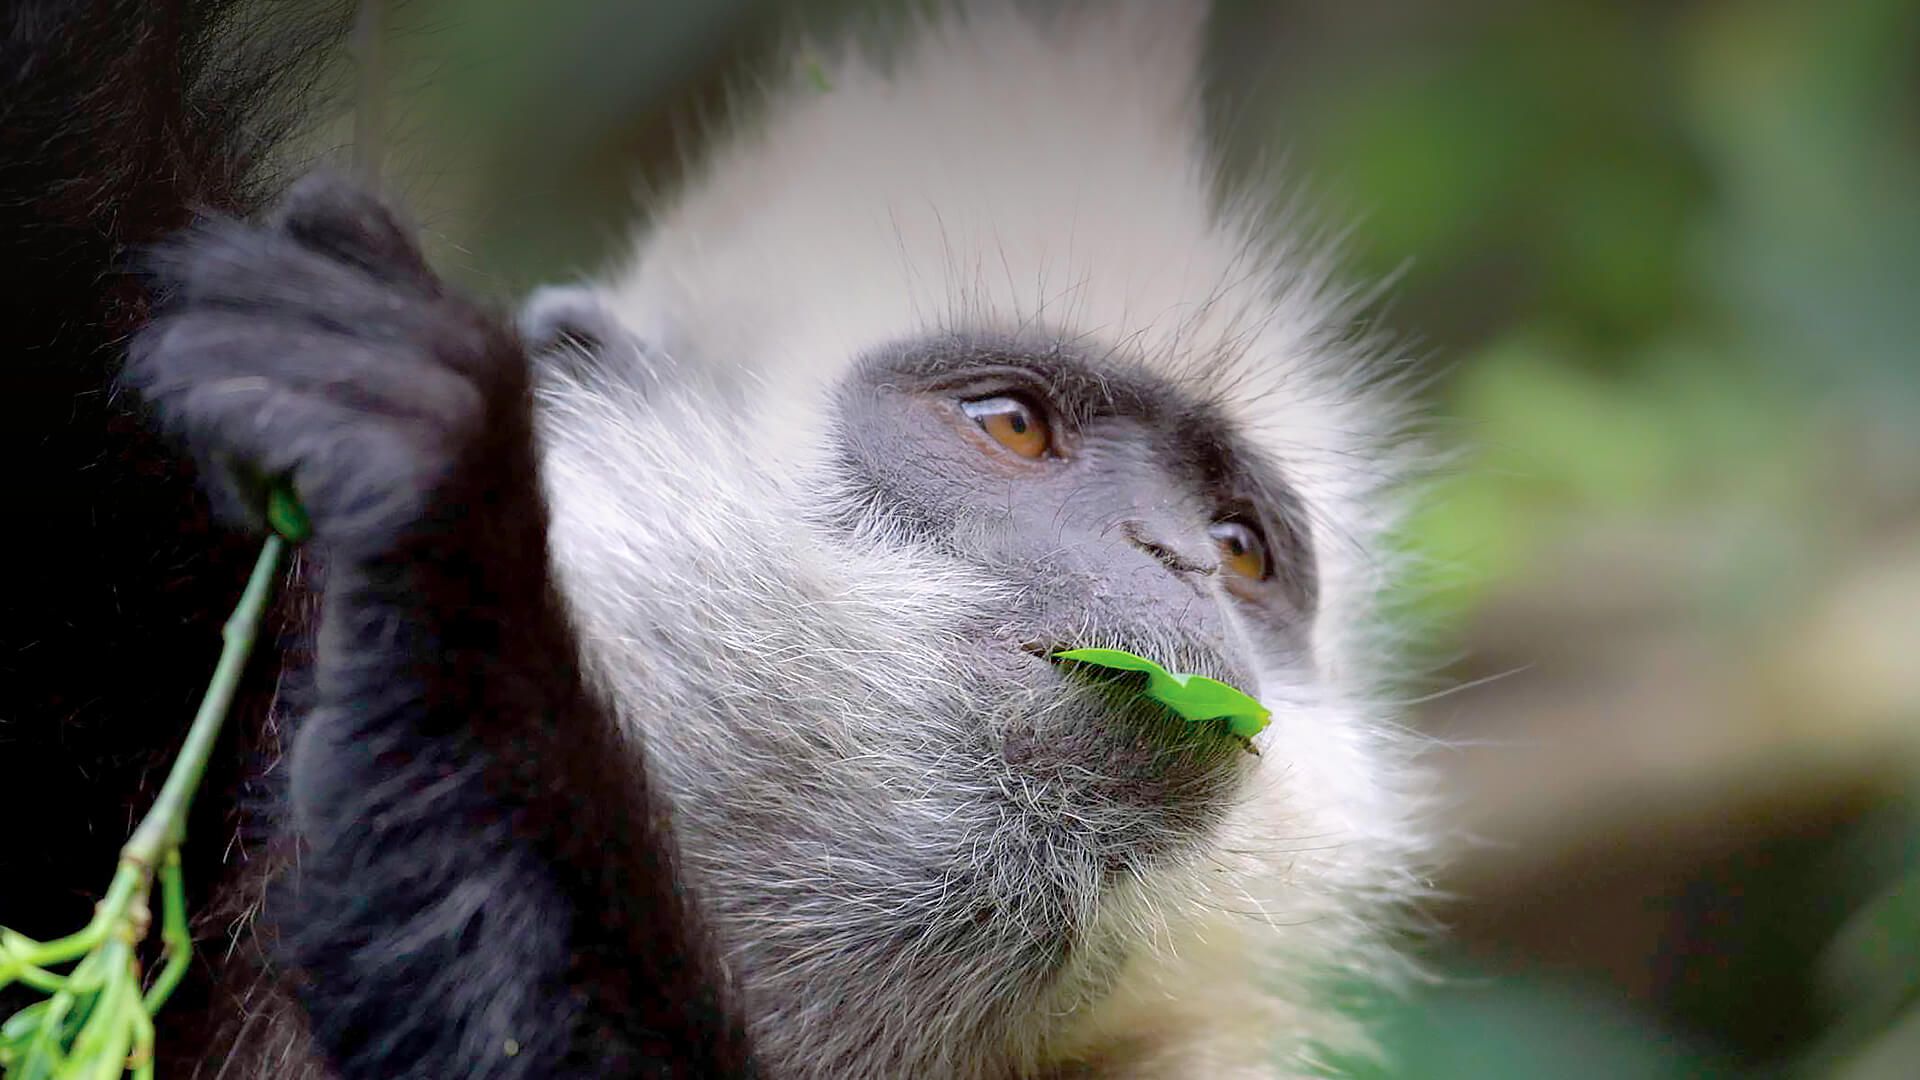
1670, 255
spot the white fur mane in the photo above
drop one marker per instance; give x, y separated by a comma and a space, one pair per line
1001, 172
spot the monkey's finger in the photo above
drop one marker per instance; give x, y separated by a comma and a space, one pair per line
355, 479
229, 265
338, 218
197, 362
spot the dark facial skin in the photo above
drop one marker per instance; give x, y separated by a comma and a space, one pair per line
1105, 534
1119, 506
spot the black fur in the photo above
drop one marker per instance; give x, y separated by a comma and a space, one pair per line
118, 118
485, 888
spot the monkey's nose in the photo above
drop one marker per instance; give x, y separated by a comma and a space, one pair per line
1155, 542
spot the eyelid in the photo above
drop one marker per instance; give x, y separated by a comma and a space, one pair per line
1036, 442
1017, 382
1260, 544
1290, 564
1001, 380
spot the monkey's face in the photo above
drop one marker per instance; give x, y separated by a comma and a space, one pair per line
1112, 509
842, 665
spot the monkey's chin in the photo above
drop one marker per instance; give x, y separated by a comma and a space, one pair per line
1153, 779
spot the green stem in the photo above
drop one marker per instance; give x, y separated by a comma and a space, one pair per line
165, 825
176, 940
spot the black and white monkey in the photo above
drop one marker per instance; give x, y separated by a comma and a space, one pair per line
679, 701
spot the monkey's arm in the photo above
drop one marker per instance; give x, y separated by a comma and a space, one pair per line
485, 886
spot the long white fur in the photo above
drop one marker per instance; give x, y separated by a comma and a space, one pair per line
999, 171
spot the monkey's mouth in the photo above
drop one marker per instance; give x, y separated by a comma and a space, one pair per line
1043, 651
1201, 702
1137, 781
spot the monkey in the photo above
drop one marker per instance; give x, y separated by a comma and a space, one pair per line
681, 695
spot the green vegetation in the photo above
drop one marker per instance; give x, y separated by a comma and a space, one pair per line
1195, 697
96, 1022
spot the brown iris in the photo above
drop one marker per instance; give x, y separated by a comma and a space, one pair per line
1241, 549
1013, 422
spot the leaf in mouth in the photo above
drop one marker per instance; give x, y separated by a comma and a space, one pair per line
1194, 697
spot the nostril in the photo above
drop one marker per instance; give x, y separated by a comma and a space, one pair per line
1137, 535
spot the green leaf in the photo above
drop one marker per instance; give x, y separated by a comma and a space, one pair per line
286, 515
1195, 697
22, 1025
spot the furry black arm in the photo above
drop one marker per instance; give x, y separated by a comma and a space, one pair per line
485, 887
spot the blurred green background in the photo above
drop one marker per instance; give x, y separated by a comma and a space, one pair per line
1664, 262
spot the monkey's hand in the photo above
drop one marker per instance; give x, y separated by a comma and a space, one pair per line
486, 886
320, 349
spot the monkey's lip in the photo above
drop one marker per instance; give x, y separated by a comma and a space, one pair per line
1201, 731
1200, 665
1045, 653
1203, 664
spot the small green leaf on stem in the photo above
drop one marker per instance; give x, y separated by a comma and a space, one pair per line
1194, 697
286, 515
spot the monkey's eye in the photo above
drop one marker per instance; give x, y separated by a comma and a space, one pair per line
1014, 422
1241, 549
